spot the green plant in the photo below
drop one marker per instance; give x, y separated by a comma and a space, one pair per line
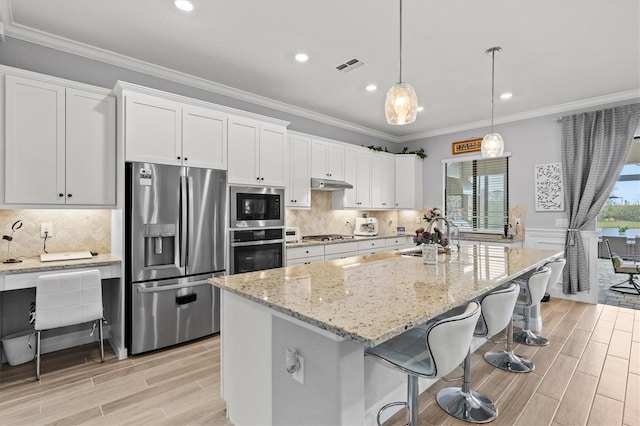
622, 229
378, 148
419, 152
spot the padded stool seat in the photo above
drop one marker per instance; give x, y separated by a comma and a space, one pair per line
430, 350
535, 288
507, 360
462, 402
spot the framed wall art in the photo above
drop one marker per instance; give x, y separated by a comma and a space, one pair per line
549, 189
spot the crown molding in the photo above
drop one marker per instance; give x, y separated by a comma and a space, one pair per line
555, 109
28, 34
91, 52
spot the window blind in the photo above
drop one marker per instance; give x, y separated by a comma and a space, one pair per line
477, 194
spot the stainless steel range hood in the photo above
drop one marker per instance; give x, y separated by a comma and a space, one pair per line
329, 185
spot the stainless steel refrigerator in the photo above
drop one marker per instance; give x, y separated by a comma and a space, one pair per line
175, 234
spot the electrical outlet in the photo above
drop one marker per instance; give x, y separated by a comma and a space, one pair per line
298, 376
48, 228
517, 220
418, 220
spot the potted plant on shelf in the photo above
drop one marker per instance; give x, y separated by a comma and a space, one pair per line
622, 230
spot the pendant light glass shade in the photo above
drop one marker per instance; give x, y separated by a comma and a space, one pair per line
492, 143
401, 105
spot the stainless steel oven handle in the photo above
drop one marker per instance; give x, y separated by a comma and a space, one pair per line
140, 288
256, 243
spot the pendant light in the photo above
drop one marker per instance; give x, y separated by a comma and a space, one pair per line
492, 143
401, 105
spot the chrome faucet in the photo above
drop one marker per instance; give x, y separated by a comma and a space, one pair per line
449, 225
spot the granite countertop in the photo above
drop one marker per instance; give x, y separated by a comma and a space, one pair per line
373, 298
33, 264
307, 243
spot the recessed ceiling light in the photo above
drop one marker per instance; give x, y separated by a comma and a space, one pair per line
184, 5
302, 57
506, 95
371, 87
420, 108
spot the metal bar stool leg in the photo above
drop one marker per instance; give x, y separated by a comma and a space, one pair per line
38, 355
412, 399
526, 336
101, 337
507, 360
464, 403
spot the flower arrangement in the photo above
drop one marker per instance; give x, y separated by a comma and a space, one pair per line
432, 214
435, 236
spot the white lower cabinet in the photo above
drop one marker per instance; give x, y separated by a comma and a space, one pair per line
340, 250
305, 255
371, 246
395, 243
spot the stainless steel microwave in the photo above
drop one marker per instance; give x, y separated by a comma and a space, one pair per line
252, 207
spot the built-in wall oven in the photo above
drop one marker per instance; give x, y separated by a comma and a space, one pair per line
256, 228
256, 249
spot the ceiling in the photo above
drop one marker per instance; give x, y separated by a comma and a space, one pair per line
557, 55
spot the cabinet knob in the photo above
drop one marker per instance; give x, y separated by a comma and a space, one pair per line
261, 178
61, 195
185, 159
69, 195
178, 157
258, 178
295, 201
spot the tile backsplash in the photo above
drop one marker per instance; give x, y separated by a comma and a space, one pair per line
321, 219
73, 230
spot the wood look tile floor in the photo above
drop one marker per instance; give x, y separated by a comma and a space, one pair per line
589, 374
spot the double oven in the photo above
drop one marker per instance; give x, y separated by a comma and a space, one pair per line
256, 240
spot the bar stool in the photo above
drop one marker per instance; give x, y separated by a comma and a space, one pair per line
67, 299
507, 360
462, 402
532, 297
431, 350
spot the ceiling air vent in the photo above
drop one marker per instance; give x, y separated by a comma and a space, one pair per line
350, 65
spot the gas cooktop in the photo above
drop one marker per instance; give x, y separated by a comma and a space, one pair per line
328, 237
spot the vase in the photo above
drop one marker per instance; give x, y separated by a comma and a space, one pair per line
429, 254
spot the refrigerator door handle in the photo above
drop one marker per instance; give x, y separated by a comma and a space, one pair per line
141, 288
183, 220
190, 218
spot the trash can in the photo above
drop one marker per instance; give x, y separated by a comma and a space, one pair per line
16, 347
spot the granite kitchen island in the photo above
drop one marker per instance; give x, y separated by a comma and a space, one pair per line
330, 313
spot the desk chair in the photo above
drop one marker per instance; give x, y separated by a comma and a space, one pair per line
621, 266
67, 299
431, 350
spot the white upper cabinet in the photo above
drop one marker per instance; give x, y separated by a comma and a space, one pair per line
60, 144
357, 172
299, 188
256, 152
153, 129
204, 138
90, 148
383, 180
408, 182
165, 131
327, 160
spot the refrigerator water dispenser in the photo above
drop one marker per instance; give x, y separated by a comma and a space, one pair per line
159, 244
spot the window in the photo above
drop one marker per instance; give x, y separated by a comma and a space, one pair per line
476, 194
